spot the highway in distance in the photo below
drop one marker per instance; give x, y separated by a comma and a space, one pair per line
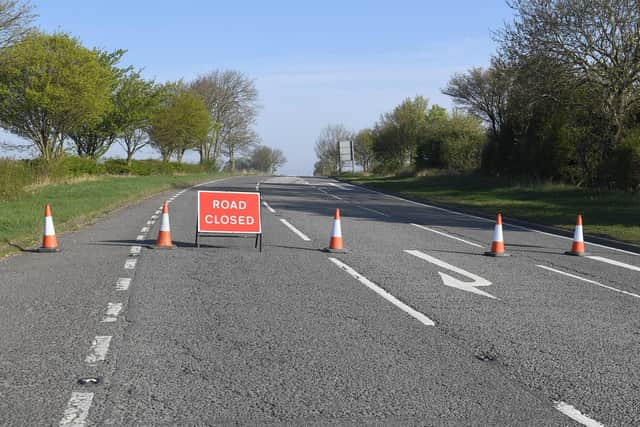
413, 325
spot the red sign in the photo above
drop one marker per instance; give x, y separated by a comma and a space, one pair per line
228, 212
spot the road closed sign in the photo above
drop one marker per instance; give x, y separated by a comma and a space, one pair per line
229, 212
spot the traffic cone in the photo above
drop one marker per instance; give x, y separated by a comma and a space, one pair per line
49, 239
497, 246
577, 247
335, 245
164, 234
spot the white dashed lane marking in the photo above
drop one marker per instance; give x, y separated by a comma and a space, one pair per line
614, 262
144, 229
447, 235
295, 230
98, 350
140, 237
266, 205
130, 263
593, 282
123, 284
135, 250
77, 410
113, 310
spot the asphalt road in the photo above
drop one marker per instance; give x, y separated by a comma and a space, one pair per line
412, 326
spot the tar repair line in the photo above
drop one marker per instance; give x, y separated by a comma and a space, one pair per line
593, 282
491, 220
576, 415
384, 294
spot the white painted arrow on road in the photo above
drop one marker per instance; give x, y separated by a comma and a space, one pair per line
452, 281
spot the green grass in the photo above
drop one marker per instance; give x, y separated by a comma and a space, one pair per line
614, 214
77, 204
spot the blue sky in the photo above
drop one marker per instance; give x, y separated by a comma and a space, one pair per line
314, 63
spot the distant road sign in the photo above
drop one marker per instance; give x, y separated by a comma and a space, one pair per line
346, 151
229, 212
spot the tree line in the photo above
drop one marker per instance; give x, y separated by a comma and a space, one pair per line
560, 100
65, 98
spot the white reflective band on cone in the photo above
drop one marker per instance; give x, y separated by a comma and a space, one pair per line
164, 226
48, 226
337, 229
577, 234
497, 233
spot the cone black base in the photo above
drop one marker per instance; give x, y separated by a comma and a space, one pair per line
48, 250
497, 254
162, 247
335, 251
575, 253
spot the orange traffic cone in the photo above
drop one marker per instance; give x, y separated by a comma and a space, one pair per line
335, 245
577, 248
164, 234
49, 240
497, 246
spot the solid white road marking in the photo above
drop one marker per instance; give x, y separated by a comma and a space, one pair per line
113, 310
447, 235
266, 205
613, 262
77, 410
135, 250
130, 263
452, 281
335, 197
295, 230
123, 283
144, 230
576, 415
140, 237
384, 294
98, 350
593, 282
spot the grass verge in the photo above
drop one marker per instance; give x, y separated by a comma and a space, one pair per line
613, 214
76, 204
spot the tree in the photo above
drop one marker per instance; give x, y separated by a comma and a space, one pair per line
597, 40
231, 99
182, 123
397, 134
94, 139
363, 149
135, 102
482, 93
49, 85
15, 17
266, 159
327, 149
